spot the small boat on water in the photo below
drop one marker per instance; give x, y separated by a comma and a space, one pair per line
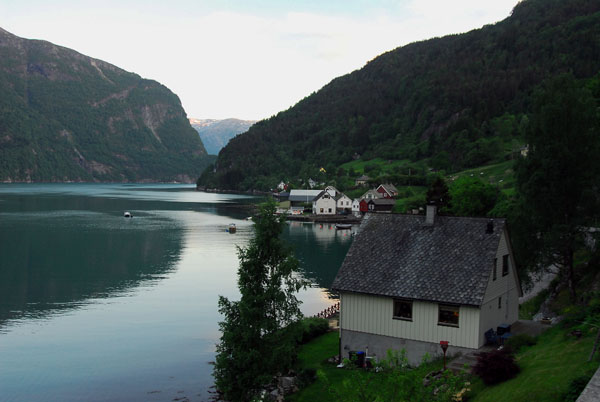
342, 226
127, 214
232, 228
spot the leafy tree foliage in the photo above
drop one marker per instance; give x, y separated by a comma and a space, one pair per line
559, 180
259, 335
461, 100
472, 197
438, 194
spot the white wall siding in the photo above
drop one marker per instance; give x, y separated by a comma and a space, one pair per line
374, 314
505, 287
325, 202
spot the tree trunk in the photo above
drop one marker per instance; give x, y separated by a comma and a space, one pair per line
595, 346
571, 275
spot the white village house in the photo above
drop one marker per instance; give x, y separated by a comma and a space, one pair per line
344, 203
325, 203
409, 282
370, 195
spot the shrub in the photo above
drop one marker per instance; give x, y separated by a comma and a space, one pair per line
496, 366
576, 387
313, 327
515, 343
306, 377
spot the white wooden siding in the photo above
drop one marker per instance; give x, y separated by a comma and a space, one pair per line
373, 314
326, 203
504, 287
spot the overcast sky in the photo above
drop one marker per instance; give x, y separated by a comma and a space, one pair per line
247, 59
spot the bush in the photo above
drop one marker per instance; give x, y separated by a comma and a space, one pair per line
496, 366
306, 377
313, 327
576, 387
515, 343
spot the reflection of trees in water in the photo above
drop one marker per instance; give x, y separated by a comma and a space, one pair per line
320, 248
57, 264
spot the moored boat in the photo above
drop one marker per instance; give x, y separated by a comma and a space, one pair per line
342, 226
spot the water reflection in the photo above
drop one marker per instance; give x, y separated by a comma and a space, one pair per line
321, 250
58, 260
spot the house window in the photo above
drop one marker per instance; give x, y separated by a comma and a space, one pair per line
494, 271
448, 315
321, 210
500, 302
403, 310
329, 210
505, 265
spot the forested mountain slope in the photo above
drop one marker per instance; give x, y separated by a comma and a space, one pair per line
67, 117
458, 100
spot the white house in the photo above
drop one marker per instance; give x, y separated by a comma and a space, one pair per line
356, 205
332, 191
409, 282
344, 203
324, 204
370, 195
362, 180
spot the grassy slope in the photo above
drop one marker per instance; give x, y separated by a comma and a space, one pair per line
547, 368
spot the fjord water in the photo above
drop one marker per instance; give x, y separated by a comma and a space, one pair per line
98, 307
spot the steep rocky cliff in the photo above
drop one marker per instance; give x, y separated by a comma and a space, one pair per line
68, 117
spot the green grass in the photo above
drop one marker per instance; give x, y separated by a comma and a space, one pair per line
500, 174
314, 354
383, 164
547, 368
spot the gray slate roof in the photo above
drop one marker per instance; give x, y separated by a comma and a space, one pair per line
400, 256
303, 195
383, 201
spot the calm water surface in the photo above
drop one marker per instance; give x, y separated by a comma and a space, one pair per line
97, 307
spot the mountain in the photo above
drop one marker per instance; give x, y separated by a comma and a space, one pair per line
215, 134
68, 117
458, 101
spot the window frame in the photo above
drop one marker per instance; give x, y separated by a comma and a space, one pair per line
399, 317
449, 307
499, 302
505, 265
495, 273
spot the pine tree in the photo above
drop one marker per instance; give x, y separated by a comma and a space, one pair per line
558, 181
259, 332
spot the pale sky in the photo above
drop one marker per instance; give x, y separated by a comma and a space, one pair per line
244, 59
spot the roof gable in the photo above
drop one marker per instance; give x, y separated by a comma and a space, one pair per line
400, 256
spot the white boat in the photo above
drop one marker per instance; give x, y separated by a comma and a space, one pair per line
341, 226
128, 214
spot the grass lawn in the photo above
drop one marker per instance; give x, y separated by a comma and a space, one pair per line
547, 368
500, 174
314, 355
